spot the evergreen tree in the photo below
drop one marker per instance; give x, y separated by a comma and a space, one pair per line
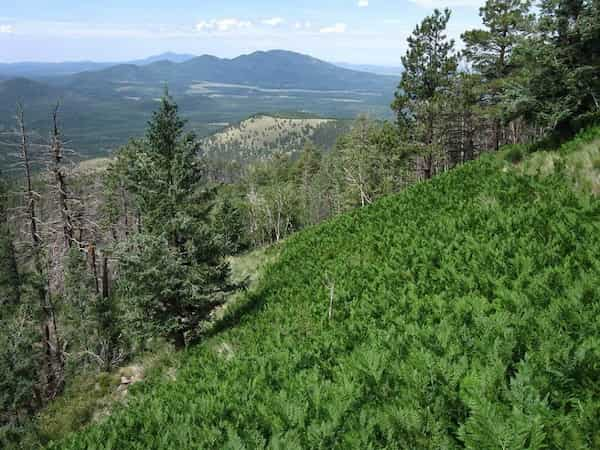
490, 49
558, 88
173, 272
229, 226
429, 66
19, 365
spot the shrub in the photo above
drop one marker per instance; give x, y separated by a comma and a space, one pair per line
515, 153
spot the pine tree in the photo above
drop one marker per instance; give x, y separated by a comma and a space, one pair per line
490, 50
558, 87
429, 66
230, 227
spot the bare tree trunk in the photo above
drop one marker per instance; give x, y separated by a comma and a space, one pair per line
94, 266
56, 150
30, 197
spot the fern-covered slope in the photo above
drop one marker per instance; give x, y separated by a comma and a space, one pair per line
465, 314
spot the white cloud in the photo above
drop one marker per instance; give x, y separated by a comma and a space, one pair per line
303, 25
337, 28
274, 21
363, 3
6, 29
222, 25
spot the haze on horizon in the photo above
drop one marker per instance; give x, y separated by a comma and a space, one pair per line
352, 31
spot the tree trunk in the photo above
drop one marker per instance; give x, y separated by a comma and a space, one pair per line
56, 149
105, 278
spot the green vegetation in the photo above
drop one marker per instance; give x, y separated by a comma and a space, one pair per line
421, 321
457, 313
578, 159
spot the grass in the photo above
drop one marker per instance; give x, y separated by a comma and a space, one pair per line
578, 160
248, 265
462, 313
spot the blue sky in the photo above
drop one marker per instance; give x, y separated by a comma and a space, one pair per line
356, 31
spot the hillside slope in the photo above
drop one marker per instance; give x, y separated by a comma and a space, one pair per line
462, 313
258, 137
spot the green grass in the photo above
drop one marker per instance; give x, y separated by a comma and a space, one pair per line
578, 160
463, 313
248, 265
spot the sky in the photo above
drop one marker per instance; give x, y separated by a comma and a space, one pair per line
353, 31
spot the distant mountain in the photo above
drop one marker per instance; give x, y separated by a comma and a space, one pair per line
43, 70
380, 70
271, 69
276, 69
168, 56
40, 70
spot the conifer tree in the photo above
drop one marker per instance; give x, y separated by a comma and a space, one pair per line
173, 272
558, 87
229, 225
429, 66
490, 50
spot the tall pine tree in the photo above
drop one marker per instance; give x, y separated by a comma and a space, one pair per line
558, 88
429, 66
490, 50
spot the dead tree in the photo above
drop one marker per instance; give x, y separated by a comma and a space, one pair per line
52, 367
57, 169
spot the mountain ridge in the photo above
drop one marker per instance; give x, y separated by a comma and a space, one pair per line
270, 69
38, 69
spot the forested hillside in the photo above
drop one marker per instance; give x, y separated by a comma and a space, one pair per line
427, 282
260, 136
